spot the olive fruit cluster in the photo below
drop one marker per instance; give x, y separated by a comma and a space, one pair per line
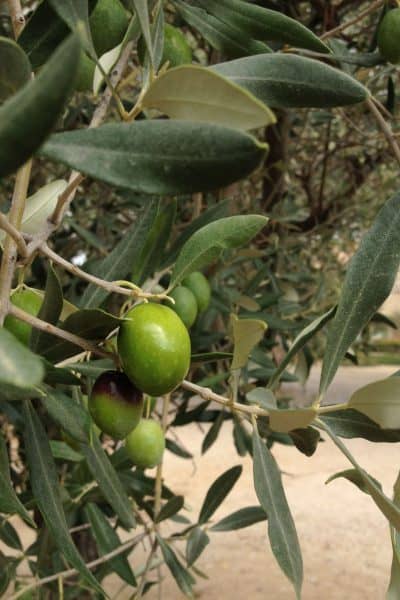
154, 350
191, 298
389, 36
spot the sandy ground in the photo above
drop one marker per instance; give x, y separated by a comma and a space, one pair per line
344, 539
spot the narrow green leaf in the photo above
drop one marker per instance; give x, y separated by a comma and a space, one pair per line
369, 280
264, 24
246, 333
281, 528
13, 354
107, 540
142, 12
176, 449
9, 535
224, 37
157, 239
74, 419
300, 341
262, 397
290, 81
182, 577
27, 118
218, 492
207, 244
196, 543
68, 414
194, 93
380, 401
45, 486
385, 505
212, 433
159, 156
75, 14
119, 261
64, 452
170, 508
352, 424
50, 310
15, 68
354, 476
221, 209
9, 501
104, 473
240, 519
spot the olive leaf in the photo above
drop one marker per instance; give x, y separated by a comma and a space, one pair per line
380, 401
27, 118
226, 38
159, 156
194, 93
290, 81
208, 243
246, 334
264, 24
369, 280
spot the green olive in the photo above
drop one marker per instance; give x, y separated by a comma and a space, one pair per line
30, 301
145, 444
176, 49
108, 24
154, 348
115, 404
389, 36
185, 305
198, 284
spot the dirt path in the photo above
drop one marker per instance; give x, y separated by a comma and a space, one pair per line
345, 541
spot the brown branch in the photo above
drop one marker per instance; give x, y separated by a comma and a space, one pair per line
15, 234
110, 286
374, 6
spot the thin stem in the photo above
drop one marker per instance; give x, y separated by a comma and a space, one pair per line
208, 394
76, 178
15, 234
374, 6
110, 286
71, 572
385, 127
10, 253
56, 331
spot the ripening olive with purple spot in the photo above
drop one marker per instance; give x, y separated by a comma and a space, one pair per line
116, 405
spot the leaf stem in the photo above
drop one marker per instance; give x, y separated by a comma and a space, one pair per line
385, 127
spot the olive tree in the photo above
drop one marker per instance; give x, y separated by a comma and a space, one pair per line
158, 164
